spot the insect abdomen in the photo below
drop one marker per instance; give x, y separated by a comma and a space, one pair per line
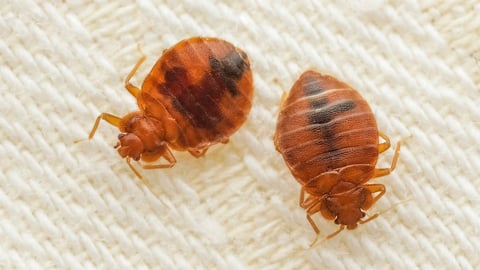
325, 126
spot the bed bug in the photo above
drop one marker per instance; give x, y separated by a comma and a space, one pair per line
328, 137
197, 94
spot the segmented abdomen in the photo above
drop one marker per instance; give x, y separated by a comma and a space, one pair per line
325, 125
206, 85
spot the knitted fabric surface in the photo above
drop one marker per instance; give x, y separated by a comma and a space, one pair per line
67, 205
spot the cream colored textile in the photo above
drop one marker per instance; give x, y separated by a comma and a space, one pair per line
79, 206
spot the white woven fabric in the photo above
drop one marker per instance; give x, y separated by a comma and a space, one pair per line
79, 206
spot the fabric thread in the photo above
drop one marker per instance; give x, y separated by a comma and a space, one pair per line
67, 205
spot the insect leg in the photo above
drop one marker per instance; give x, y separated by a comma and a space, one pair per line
133, 168
312, 223
134, 90
198, 153
167, 156
302, 203
374, 188
330, 236
336, 232
368, 219
385, 145
386, 171
110, 118
301, 200
315, 228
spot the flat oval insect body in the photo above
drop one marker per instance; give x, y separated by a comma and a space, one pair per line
328, 137
196, 95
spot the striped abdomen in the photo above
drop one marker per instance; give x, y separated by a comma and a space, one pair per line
206, 85
325, 125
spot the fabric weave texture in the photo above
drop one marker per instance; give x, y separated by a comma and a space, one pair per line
66, 205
